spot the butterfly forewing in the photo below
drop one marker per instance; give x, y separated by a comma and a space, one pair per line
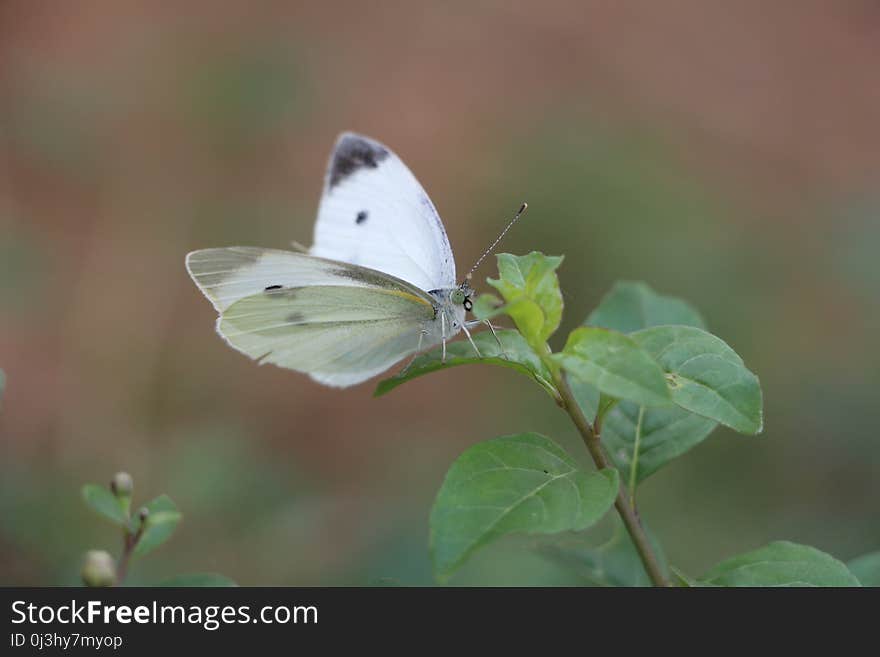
375, 213
225, 275
340, 323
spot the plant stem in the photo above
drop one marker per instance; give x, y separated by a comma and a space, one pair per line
634, 465
129, 543
624, 504
122, 567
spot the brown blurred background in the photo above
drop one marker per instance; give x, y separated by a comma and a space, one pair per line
728, 153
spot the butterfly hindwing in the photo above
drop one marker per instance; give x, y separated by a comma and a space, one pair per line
343, 333
374, 213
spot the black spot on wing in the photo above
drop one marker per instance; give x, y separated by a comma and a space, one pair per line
280, 292
352, 154
296, 318
361, 217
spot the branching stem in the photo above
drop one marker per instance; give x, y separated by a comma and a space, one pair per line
129, 543
624, 503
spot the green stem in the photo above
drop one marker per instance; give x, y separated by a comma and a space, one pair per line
634, 464
129, 543
624, 504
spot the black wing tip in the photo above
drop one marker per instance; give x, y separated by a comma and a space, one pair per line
352, 153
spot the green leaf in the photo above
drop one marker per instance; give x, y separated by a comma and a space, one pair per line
200, 580
866, 568
781, 564
631, 306
667, 432
105, 503
616, 365
706, 376
613, 563
604, 405
684, 579
520, 483
519, 357
531, 291
487, 306
161, 522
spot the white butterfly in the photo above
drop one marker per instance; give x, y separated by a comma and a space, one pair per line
378, 283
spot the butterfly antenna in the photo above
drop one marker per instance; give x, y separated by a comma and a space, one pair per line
520, 212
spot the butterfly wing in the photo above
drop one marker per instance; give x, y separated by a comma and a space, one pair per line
337, 322
374, 213
338, 335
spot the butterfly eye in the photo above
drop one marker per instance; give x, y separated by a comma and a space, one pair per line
457, 297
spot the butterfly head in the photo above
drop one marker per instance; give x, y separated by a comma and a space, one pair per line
461, 296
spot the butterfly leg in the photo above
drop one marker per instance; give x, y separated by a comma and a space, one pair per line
471, 340
497, 339
443, 335
477, 322
422, 335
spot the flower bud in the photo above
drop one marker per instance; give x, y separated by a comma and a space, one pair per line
122, 484
98, 569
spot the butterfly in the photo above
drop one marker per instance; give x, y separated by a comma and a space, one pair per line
377, 285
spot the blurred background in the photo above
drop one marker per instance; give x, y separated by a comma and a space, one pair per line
727, 153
